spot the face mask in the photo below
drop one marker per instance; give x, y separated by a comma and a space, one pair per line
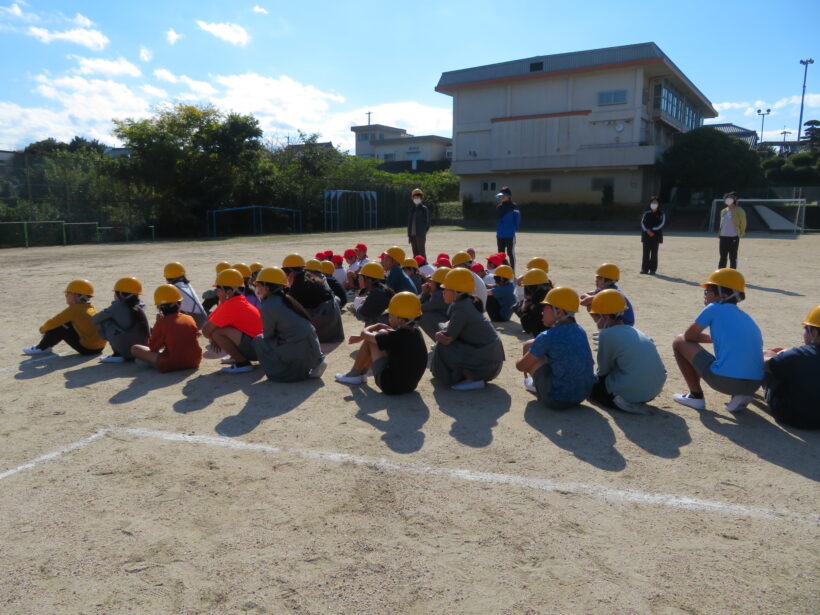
729, 201
417, 201
653, 205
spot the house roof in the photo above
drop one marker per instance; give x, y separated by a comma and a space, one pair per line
744, 134
382, 127
418, 139
564, 63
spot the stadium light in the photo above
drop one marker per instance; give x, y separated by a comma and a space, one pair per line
805, 64
762, 115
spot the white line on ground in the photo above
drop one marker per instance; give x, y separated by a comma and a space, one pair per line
541, 484
53, 455
10, 368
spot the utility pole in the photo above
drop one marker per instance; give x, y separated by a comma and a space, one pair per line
805, 64
369, 113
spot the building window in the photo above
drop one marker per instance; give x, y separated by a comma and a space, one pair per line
612, 97
670, 102
488, 186
389, 157
412, 148
599, 183
541, 185
363, 136
448, 154
536, 67
381, 136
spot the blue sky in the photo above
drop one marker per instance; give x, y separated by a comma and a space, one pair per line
70, 67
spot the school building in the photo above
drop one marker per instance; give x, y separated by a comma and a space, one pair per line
560, 128
394, 145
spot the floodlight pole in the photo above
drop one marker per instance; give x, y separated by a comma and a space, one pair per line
762, 115
805, 64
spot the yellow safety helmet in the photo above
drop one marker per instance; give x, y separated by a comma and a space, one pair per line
459, 258
539, 263
609, 271
230, 278
534, 277
314, 265
396, 253
440, 274
272, 275
459, 280
504, 271
256, 267
328, 267
405, 305
167, 293
813, 319
80, 287
418, 192
608, 301
173, 270
410, 263
727, 278
222, 266
293, 260
243, 269
563, 298
372, 270
129, 285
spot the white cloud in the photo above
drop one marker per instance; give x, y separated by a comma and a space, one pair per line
200, 88
154, 92
259, 9
82, 21
93, 39
229, 32
145, 54
171, 36
15, 11
165, 75
731, 105
98, 66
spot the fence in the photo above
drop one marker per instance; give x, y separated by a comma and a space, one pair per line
26, 234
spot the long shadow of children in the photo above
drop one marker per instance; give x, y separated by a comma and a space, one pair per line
662, 434
406, 415
147, 379
200, 392
42, 366
474, 413
581, 431
266, 400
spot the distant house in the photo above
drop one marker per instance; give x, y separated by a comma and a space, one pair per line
394, 145
565, 127
744, 134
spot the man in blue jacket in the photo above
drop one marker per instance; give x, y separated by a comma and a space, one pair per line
509, 218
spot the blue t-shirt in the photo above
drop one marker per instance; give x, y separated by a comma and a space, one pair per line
567, 351
398, 281
737, 339
793, 394
505, 295
629, 314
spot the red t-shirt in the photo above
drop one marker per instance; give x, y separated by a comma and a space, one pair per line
236, 312
176, 335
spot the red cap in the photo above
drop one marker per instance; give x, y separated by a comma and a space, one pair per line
328, 253
496, 259
336, 259
443, 261
420, 259
477, 268
350, 253
320, 256
383, 254
361, 246
443, 255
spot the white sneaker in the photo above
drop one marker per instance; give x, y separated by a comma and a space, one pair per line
738, 403
468, 385
34, 351
685, 400
345, 379
237, 369
628, 406
530, 385
114, 358
228, 361
317, 371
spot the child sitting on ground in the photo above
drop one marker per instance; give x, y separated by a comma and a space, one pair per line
123, 323
607, 276
536, 285
791, 388
433, 307
501, 297
630, 371
557, 364
209, 297
73, 325
173, 344
174, 273
736, 368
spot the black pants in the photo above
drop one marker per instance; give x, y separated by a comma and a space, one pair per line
507, 244
600, 395
417, 244
649, 264
728, 248
65, 333
494, 310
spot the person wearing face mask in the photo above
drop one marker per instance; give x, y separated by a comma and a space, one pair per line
418, 223
652, 223
732, 228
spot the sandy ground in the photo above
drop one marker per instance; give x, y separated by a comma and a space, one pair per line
197, 492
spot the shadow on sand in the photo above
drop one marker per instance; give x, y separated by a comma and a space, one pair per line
475, 413
406, 415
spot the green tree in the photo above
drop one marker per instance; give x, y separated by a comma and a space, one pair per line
706, 159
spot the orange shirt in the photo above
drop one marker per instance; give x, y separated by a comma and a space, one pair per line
236, 312
79, 315
176, 335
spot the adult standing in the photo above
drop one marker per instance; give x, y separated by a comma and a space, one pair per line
732, 228
509, 219
418, 223
652, 223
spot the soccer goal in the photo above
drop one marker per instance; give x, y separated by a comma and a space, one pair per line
770, 215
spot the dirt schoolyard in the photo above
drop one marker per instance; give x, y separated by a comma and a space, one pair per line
125, 490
